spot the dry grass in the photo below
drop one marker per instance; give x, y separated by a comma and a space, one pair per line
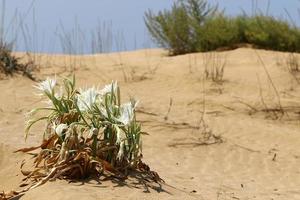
293, 66
293, 63
10, 64
214, 66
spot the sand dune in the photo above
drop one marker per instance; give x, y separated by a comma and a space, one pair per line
259, 157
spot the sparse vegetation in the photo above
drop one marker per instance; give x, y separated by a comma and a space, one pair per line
88, 133
10, 64
214, 66
196, 26
133, 75
293, 67
293, 63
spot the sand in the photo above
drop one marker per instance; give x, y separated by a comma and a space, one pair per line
259, 157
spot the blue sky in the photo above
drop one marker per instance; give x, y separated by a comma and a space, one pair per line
125, 17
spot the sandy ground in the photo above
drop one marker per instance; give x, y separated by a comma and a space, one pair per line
259, 157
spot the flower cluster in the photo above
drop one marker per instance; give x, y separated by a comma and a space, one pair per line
94, 115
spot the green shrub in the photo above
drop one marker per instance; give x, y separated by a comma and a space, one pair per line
271, 33
194, 25
179, 29
218, 31
171, 29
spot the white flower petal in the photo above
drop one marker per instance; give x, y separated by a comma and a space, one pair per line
109, 88
127, 113
47, 85
120, 135
121, 151
60, 129
87, 99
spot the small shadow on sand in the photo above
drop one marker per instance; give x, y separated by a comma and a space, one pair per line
135, 180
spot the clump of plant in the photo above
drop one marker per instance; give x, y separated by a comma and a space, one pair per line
218, 31
180, 29
214, 66
88, 133
293, 63
269, 32
9, 64
196, 26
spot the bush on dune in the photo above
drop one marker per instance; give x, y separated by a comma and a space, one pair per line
178, 29
10, 64
270, 33
196, 26
218, 31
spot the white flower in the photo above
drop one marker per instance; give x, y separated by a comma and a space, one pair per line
60, 129
127, 113
87, 99
120, 135
121, 150
109, 88
46, 86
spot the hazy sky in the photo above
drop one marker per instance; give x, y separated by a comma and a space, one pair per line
126, 17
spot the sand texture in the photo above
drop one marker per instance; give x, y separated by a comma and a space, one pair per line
259, 157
